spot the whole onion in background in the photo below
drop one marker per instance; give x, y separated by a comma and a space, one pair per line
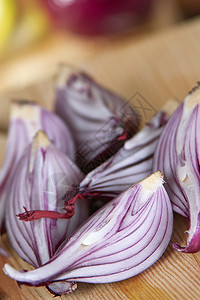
91, 17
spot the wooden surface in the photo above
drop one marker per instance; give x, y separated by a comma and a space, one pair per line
147, 73
42, 58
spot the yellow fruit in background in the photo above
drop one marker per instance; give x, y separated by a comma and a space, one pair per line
8, 18
32, 26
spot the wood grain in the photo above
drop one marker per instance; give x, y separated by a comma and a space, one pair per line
146, 73
28, 66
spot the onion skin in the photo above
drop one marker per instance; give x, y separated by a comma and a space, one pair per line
25, 120
122, 239
99, 120
177, 156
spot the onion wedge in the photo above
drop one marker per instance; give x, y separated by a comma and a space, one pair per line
132, 163
99, 120
41, 179
122, 239
178, 157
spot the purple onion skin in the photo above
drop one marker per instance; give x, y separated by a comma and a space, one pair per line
26, 119
41, 179
122, 239
99, 120
132, 163
177, 156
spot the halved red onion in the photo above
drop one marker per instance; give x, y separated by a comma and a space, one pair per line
177, 156
42, 177
122, 239
99, 120
132, 163
25, 120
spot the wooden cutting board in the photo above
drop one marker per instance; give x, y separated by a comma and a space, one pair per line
146, 73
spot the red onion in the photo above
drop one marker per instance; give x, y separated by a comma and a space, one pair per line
122, 239
177, 156
97, 16
26, 119
132, 163
39, 185
99, 120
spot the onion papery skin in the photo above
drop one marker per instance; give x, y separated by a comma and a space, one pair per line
177, 156
122, 239
25, 120
131, 164
41, 179
99, 120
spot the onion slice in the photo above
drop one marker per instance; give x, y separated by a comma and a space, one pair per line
177, 156
122, 239
99, 120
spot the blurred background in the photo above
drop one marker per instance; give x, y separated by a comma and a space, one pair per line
35, 35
